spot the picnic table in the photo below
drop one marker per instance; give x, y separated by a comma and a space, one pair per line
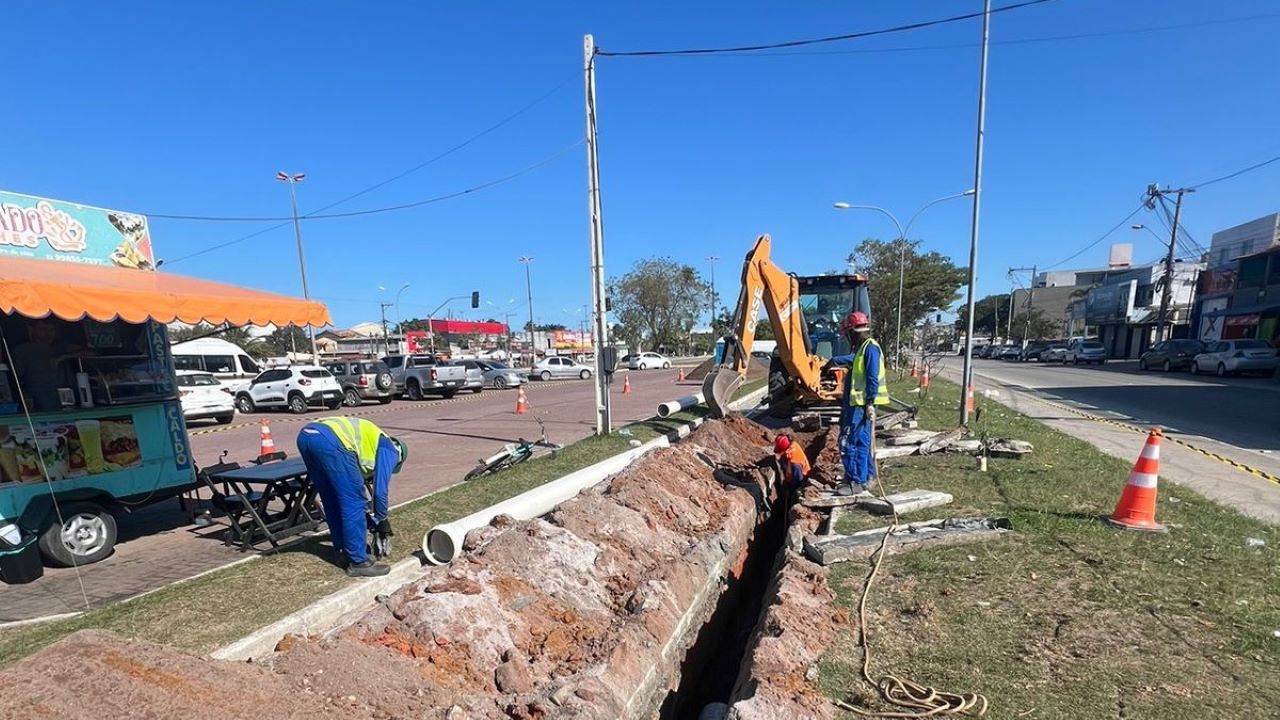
274, 500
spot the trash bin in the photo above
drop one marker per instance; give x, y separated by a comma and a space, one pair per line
21, 563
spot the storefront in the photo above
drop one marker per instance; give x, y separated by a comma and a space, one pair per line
90, 421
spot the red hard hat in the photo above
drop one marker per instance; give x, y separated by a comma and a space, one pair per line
781, 443
856, 320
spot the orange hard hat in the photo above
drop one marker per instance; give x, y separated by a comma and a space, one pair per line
856, 320
781, 443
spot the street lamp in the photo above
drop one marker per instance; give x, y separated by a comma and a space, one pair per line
712, 260
528, 284
398, 319
1153, 232
291, 181
902, 251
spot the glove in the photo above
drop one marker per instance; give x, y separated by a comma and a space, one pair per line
384, 528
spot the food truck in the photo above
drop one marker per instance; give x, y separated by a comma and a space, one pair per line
90, 422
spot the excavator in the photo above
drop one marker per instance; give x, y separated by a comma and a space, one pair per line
805, 313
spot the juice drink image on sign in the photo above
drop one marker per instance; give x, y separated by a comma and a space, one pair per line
90, 432
8, 456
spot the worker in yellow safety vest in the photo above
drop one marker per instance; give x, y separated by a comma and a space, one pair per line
341, 454
864, 389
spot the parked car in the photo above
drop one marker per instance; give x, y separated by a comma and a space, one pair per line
295, 388
984, 351
1032, 351
1229, 357
648, 361
559, 367
1085, 351
1009, 352
475, 374
223, 359
362, 380
1054, 352
203, 396
414, 376
1171, 355
499, 375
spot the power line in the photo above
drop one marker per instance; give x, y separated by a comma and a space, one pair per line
1237, 173
1025, 41
393, 208
1104, 236
820, 40
436, 158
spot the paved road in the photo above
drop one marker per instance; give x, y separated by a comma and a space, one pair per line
1243, 411
159, 545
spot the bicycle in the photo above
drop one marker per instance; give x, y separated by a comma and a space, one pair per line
512, 454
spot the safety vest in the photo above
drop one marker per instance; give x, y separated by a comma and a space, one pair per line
858, 378
359, 436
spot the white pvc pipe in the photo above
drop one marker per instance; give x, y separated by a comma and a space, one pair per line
675, 406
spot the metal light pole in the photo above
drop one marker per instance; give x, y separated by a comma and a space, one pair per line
712, 260
600, 334
966, 378
528, 284
291, 181
902, 251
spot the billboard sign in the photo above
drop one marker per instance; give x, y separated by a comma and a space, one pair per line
1110, 304
45, 229
570, 340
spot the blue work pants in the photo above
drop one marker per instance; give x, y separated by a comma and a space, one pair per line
336, 475
855, 447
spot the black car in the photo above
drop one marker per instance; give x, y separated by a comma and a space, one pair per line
1171, 355
1032, 351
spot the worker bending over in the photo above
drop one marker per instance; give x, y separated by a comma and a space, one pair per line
341, 454
864, 389
795, 466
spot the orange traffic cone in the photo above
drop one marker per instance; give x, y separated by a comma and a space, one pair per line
522, 405
268, 445
913, 369
1137, 507
924, 379
626, 384
968, 398
680, 377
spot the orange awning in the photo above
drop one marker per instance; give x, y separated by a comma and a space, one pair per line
38, 288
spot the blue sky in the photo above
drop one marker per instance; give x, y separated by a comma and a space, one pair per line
191, 108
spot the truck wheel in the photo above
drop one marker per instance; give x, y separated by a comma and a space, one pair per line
413, 390
86, 535
383, 381
447, 394
351, 398
244, 404
385, 400
297, 404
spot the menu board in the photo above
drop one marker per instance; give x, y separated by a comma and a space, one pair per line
68, 449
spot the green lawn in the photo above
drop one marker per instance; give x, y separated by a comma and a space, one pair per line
1069, 618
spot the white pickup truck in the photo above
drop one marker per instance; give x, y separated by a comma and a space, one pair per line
418, 375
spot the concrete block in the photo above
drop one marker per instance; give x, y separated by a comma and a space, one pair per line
913, 536
905, 502
884, 453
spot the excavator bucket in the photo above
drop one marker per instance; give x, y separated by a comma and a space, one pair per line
718, 389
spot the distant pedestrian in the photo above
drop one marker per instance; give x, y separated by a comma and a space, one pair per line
341, 454
864, 389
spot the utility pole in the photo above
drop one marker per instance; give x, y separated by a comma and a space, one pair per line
712, 259
1031, 300
600, 334
1008, 333
1154, 193
292, 181
528, 284
967, 372
386, 340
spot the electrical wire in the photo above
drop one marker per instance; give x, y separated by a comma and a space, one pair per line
1237, 173
371, 211
1022, 41
818, 41
1102, 237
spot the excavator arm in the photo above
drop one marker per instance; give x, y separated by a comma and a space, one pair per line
764, 284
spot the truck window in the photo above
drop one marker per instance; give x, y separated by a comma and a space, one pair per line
248, 365
219, 363
187, 362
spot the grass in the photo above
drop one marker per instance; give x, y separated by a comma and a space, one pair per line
1069, 618
215, 609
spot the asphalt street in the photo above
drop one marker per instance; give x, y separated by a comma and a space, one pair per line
159, 545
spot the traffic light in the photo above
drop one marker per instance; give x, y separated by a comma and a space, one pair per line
475, 299
608, 304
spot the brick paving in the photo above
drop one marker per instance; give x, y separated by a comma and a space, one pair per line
159, 545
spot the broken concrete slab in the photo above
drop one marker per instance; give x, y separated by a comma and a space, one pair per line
900, 437
942, 440
1010, 449
885, 453
968, 447
906, 502
830, 500
906, 538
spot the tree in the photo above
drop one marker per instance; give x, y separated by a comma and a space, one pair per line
658, 301
1039, 327
930, 280
546, 327
284, 340
990, 316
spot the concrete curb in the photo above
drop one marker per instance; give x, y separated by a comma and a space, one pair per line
325, 613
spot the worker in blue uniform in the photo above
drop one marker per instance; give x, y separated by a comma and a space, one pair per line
864, 390
341, 454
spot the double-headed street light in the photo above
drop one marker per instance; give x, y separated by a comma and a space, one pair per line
902, 251
293, 180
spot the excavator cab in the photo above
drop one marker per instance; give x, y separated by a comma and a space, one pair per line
825, 301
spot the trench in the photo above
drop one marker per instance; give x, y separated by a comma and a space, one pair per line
714, 661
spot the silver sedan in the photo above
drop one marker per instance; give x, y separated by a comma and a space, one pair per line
559, 367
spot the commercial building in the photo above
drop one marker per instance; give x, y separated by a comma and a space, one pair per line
1124, 311
1239, 293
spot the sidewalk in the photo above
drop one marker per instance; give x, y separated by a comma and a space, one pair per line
1218, 481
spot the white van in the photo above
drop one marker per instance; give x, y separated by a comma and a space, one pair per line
214, 355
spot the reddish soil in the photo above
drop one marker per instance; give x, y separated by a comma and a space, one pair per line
570, 616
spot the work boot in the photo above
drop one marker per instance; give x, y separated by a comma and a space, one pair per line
845, 489
368, 568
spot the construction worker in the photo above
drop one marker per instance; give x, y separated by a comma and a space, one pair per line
864, 389
795, 466
341, 454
